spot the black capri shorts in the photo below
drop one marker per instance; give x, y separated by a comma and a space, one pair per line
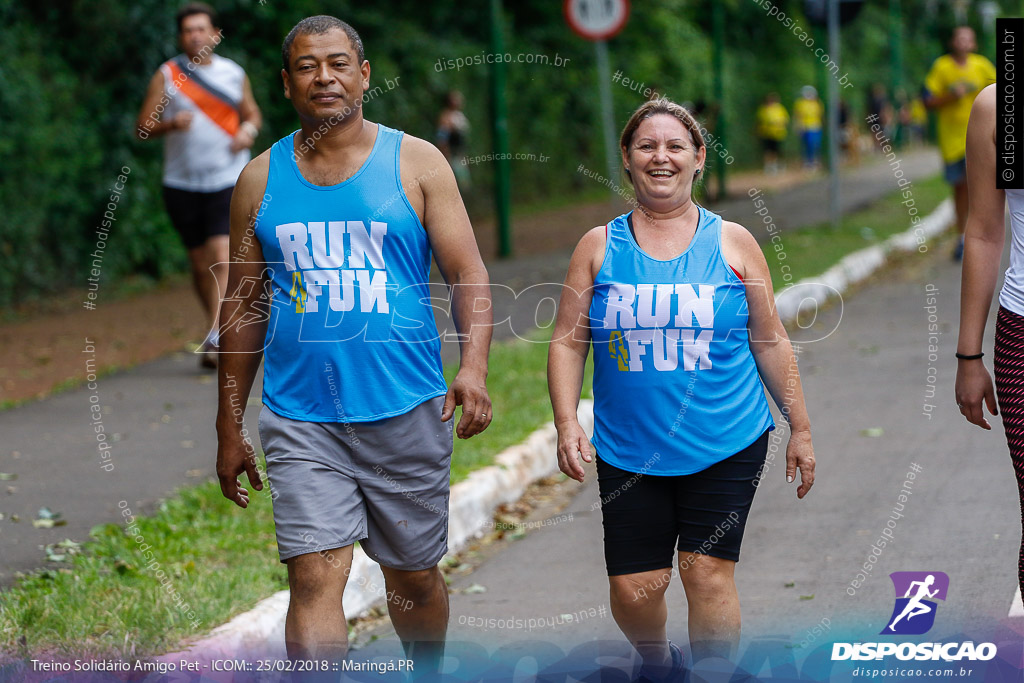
646, 516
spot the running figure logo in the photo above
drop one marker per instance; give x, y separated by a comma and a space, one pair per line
914, 612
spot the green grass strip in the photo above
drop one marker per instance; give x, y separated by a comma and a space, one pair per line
518, 388
812, 250
109, 601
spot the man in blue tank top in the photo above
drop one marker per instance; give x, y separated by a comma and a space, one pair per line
332, 231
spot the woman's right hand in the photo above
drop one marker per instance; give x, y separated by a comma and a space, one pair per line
973, 387
573, 444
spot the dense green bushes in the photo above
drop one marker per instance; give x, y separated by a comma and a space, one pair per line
74, 72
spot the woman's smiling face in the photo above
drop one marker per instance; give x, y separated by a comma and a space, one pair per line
662, 160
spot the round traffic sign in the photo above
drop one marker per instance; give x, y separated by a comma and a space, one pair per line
596, 19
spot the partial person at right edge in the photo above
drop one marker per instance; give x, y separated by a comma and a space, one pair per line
203, 107
983, 251
357, 421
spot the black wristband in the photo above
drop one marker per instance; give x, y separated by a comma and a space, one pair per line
965, 357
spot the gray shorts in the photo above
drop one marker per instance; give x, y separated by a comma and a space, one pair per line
383, 483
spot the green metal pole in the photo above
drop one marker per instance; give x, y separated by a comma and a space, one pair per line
821, 38
612, 155
499, 128
717, 54
834, 47
896, 43
989, 11
896, 59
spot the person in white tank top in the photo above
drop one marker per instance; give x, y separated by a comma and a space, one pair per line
203, 107
983, 249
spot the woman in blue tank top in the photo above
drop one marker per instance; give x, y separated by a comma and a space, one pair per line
679, 309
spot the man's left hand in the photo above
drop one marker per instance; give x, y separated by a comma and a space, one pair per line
469, 391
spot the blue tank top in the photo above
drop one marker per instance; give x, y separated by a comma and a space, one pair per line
676, 388
350, 337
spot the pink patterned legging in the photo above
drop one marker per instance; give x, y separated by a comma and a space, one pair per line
1009, 376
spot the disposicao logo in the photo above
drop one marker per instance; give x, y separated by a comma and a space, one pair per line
914, 614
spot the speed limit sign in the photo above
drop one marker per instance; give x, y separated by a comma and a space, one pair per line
596, 19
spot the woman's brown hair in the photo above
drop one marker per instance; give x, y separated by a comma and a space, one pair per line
654, 107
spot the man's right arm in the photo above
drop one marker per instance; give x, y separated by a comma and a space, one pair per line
936, 93
243, 316
937, 100
150, 122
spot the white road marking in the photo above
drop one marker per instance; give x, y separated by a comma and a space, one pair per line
1016, 609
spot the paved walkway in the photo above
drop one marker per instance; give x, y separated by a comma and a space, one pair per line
808, 204
872, 372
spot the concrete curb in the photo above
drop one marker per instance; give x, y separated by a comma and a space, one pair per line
812, 292
473, 501
471, 511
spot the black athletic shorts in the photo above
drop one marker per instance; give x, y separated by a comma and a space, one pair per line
198, 216
647, 517
770, 145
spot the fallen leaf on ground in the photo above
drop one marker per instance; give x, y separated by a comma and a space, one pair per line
61, 551
48, 519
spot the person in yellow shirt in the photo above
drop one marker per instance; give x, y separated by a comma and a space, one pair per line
919, 116
950, 88
808, 113
772, 126
913, 119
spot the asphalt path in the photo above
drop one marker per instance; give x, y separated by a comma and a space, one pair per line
881, 409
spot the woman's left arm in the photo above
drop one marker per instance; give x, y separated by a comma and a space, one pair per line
773, 353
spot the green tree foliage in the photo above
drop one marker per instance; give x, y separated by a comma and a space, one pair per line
74, 73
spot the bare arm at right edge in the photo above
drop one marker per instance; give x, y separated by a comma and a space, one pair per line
567, 354
243, 331
983, 248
